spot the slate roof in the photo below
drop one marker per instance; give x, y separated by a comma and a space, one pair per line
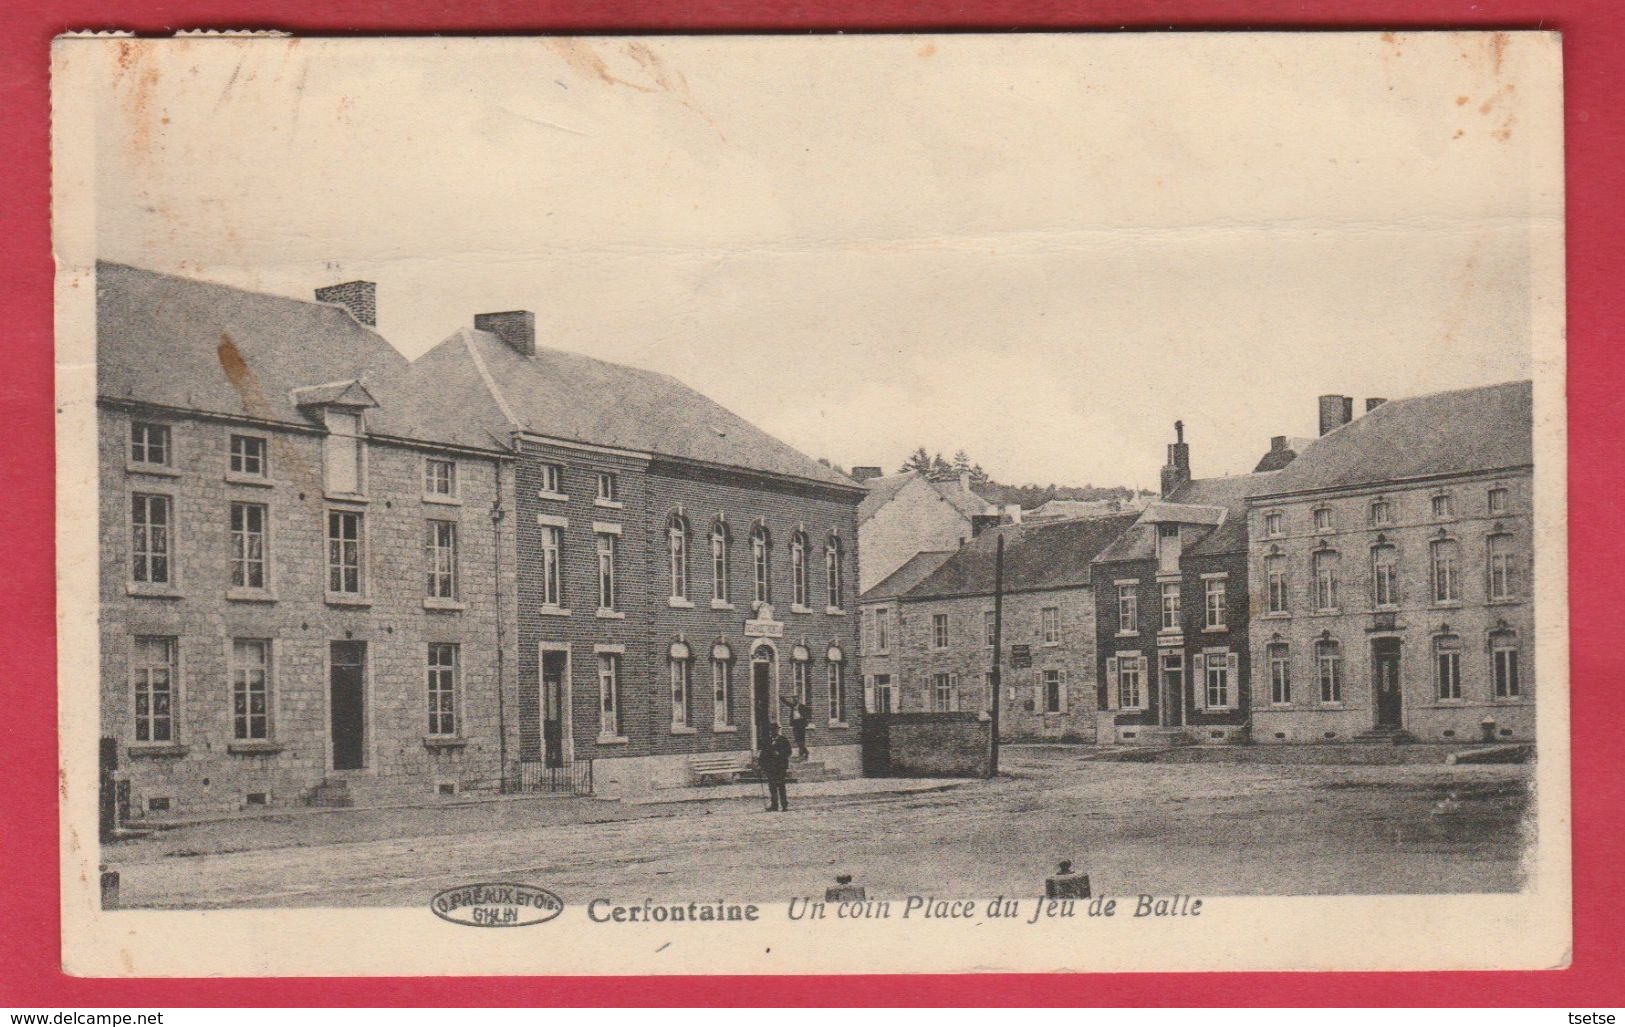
1054, 554
1199, 499
578, 398
884, 489
194, 345
1443, 433
913, 571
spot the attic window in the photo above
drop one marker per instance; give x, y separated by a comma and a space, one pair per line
342, 452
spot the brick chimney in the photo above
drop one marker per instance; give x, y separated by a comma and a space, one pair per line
1335, 411
359, 298
865, 473
517, 328
1373, 403
1178, 469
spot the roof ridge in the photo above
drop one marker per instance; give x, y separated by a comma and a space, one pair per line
487, 379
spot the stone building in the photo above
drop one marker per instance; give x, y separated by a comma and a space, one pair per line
945, 627
1172, 612
1391, 567
909, 513
681, 574
302, 576
881, 664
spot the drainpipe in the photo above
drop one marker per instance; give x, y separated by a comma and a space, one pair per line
497, 514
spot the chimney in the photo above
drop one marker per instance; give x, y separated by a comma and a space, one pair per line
1335, 411
1178, 469
964, 481
865, 473
1277, 443
1373, 403
359, 298
517, 328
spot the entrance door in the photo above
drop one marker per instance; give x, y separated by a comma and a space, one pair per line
761, 696
1172, 710
553, 667
1385, 679
347, 689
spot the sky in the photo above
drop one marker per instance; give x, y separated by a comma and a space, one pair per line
1040, 249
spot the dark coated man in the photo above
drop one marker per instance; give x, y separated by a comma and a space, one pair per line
775, 759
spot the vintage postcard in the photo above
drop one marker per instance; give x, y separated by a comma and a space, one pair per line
1034, 502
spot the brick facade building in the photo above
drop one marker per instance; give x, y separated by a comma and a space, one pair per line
1392, 570
680, 573
301, 572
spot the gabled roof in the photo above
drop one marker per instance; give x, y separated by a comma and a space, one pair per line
194, 345
884, 489
1199, 503
1443, 433
914, 570
1055, 554
576, 398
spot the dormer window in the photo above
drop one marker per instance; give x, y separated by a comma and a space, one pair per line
1168, 547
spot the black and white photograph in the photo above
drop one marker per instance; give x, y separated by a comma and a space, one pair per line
812, 503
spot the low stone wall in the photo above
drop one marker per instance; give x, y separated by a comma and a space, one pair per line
926, 745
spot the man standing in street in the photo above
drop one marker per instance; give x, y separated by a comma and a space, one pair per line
775, 767
800, 717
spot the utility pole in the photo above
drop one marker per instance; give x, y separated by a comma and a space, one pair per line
995, 678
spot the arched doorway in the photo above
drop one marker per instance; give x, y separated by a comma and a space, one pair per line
764, 688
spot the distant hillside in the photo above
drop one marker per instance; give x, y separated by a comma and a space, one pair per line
1027, 496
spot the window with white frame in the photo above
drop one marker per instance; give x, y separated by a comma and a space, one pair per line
1128, 609
248, 556
1130, 676
442, 665
722, 692
149, 444
1273, 525
608, 487
832, 571
681, 692
1275, 578
1443, 506
247, 457
1447, 667
1215, 609
761, 555
609, 695
1446, 555
150, 539
1504, 665
550, 479
883, 629
1054, 691
884, 695
345, 562
440, 553
1323, 518
1324, 565
552, 566
677, 555
836, 672
989, 628
1384, 576
1217, 677
1280, 673
1497, 500
801, 680
153, 671
798, 569
342, 452
719, 560
1329, 670
440, 477
1503, 567
1049, 625
942, 693
1381, 513
606, 543
939, 631
250, 689
1170, 606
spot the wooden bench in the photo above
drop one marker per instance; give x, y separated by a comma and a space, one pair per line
724, 765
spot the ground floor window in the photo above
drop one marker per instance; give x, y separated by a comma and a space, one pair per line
442, 688
837, 692
250, 689
1217, 680
801, 680
609, 695
153, 673
680, 693
880, 695
942, 692
1447, 667
1329, 668
1504, 661
722, 689
1130, 683
1280, 674
1054, 691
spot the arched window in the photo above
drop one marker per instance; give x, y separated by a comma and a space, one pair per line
1329, 670
761, 551
1324, 564
720, 544
1503, 568
798, 569
1446, 570
801, 674
677, 550
832, 569
1384, 576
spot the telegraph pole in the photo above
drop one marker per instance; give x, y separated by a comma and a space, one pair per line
995, 679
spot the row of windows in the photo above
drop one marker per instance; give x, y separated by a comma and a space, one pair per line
1447, 666
877, 628
606, 550
761, 561
1380, 512
250, 686
1215, 606
248, 456
1216, 672
944, 693
1444, 575
606, 484
723, 694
